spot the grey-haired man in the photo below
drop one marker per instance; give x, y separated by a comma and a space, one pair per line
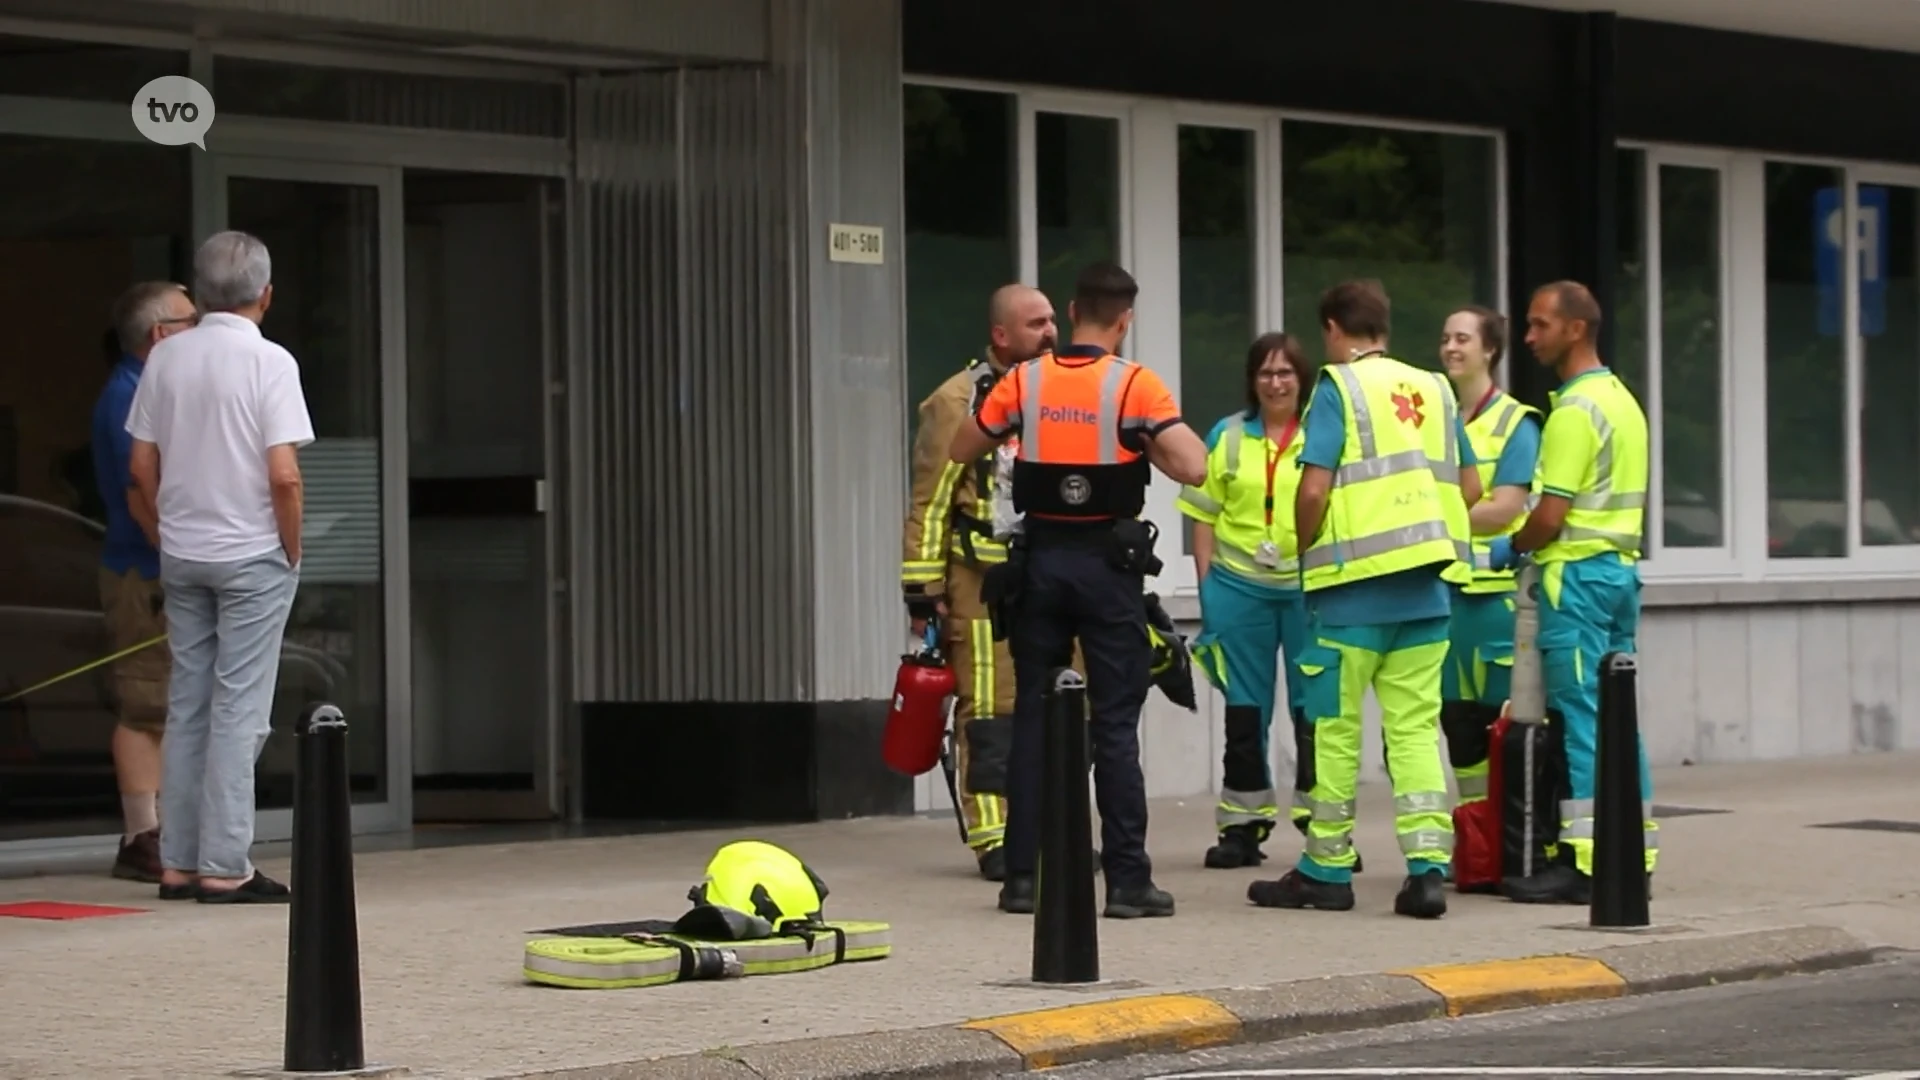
216, 423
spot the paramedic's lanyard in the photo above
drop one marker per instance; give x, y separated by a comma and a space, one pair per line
1485, 399
1269, 553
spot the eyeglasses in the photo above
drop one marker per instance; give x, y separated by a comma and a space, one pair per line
1283, 375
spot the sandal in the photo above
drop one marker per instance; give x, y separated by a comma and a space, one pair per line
258, 889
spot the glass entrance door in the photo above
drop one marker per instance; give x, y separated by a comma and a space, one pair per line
332, 232
482, 259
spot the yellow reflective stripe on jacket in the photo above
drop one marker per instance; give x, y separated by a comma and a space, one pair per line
1608, 517
1489, 433
1237, 465
1395, 503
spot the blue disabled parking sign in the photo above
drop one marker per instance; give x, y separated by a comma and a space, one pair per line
1829, 246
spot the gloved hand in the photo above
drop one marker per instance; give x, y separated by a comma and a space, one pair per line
1500, 554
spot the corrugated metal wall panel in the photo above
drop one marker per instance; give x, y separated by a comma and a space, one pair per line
710, 29
850, 50
688, 494
743, 376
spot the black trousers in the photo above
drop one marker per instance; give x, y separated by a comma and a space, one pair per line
1072, 591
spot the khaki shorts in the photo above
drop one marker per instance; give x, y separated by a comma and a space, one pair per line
134, 615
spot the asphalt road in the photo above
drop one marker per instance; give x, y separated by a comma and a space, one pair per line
1845, 1025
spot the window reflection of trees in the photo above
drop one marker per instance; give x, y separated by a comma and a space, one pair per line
1690, 361
1412, 208
959, 227
1077, 197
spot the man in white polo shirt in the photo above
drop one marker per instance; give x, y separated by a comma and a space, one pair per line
216, 423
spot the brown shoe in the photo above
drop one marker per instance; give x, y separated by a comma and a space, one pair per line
139, 858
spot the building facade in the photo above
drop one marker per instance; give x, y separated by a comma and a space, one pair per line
611, 325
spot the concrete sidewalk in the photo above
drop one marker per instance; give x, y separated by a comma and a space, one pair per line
188, 990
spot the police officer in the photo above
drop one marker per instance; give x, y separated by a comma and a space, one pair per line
1381, 518
949, 545
1089, 423
1585, 536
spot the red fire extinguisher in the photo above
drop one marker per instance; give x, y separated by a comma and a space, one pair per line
917, 719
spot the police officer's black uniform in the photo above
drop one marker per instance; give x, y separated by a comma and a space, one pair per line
1079, 570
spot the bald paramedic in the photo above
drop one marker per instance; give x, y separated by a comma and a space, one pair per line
1089, 423
1585, 536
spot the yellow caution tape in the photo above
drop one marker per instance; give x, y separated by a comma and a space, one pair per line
84, 668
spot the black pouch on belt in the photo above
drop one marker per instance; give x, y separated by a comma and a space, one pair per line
1132, 547
1001, 586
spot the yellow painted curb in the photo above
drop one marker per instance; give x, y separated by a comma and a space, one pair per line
1515, 984
1050, 1037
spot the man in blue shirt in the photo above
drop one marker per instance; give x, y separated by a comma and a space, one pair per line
130, 577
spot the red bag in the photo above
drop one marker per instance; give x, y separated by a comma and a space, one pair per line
1477, 834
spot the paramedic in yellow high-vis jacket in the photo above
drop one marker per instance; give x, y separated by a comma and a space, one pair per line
1381, 517
1251, 607
1585, 536
1505, 435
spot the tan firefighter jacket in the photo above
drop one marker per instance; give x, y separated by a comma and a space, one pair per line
951, 515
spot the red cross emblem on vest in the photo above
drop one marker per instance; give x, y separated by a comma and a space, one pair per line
1407, 405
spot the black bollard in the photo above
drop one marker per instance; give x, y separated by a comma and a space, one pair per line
324, 1031
1619, 844
1066, 941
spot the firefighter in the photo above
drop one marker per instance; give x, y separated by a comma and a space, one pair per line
1585, 537
949, 545
1089, 423
1505, 435
1381, 520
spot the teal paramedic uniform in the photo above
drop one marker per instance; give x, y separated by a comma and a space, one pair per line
1595, 453
1251, 611
1505, 436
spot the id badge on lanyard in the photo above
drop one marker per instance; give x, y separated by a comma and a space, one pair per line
1267, 555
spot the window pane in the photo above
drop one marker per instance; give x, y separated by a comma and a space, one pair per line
960, 222
1806, 367
1890, 364
73, 233
1629, 315
84, 70
1077, 189
1413, 209
325, 242
1690, 336
1217, 276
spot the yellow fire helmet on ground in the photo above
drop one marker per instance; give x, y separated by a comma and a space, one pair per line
761, 880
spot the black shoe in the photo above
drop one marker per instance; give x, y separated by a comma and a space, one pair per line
993, 864
1298, 891
1016, 896
1239, 846
1138, 902
1424, 896
1557, 884
258, 889
1359, 864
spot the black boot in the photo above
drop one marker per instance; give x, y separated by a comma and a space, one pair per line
1138, 902
1558, 883
1424, 896
1239, 846
1298, 891
993, 864
1016, 896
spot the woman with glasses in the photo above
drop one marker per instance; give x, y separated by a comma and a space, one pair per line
1251, 607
